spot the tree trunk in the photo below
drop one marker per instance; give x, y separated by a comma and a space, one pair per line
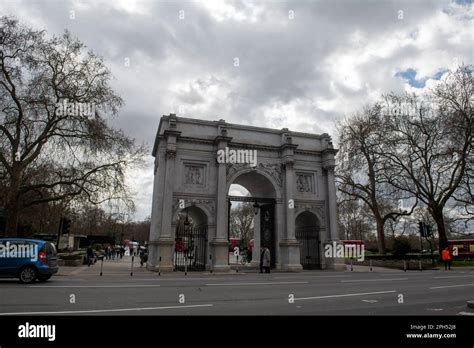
380, 235
13, 206
438, 216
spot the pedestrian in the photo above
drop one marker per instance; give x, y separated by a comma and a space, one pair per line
143, 256
262, 251
89, 256
446, 256
266, 260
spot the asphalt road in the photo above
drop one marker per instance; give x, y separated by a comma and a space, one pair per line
84, 292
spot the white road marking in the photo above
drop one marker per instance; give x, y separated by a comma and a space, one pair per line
451, 286
270, 283
411, 272
466, 313
370, 301
346, 295
108, 310
312, 277
93, 286
164, 279
372, 280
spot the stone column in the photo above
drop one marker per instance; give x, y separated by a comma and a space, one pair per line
164, 244
329, 164
168, 195
332, 204
289, 246
220, 244
289, 195
157, 209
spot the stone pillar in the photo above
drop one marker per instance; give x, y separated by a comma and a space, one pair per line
220, 244
289, 195
157, 209
168, 195
280, 230
332, 204
163, 246
289, 246
329, 165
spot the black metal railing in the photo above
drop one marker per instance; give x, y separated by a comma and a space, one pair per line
308, 237
190, 247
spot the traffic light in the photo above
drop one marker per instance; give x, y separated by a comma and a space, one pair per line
421, 227
66, 226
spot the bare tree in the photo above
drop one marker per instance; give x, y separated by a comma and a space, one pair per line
360, 174
355, 219
55, 142
241, 223
429, 144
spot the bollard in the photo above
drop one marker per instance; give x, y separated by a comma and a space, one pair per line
210, 261
370, 262
101, 265
159, 264
351, 266
419, 264
185, 265
404, 266
131, 267
237, 263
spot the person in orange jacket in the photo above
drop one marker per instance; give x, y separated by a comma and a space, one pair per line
446, 256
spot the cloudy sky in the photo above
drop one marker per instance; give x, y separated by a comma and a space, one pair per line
296, 64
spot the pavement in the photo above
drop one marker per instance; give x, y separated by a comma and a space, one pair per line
82, 291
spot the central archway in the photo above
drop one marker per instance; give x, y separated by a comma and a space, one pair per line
262, 195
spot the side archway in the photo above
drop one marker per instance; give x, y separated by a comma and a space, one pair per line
307, 230
190, 239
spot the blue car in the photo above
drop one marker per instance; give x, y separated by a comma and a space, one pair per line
27, 259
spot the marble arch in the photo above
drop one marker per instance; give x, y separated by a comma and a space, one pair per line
292, 166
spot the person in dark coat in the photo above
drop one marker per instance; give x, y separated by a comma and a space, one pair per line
90, 255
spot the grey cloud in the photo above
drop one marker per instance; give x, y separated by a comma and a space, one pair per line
282, 61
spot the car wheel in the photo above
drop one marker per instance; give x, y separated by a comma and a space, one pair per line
44, 278
28, 275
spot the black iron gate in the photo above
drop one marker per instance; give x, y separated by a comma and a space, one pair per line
267, 229
309, 248
190, 247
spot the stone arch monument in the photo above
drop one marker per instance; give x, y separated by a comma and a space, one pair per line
291, 181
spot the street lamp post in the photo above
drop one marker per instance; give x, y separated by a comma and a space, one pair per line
256, 207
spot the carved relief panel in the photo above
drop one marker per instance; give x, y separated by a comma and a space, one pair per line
305, 183
195, 175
